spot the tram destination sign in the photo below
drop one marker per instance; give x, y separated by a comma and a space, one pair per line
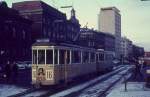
42, 40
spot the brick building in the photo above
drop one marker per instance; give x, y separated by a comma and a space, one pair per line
48, 21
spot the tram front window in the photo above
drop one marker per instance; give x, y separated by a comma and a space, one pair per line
49, 56
34, 56
41, 56
61, 57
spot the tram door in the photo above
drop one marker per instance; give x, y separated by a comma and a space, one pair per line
38, 64
41, 65
63, 59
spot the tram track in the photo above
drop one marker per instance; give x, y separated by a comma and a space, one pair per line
101, 88
30, 90
54, 90
85, 85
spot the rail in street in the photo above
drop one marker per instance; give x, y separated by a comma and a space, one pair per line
73, 91
99, 89
79, 88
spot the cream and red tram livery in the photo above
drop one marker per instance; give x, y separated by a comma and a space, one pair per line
56, 63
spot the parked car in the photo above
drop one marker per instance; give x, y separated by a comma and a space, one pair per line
28, 64
1, 72
24, 64
21, 65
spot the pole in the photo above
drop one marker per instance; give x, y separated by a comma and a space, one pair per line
125, 84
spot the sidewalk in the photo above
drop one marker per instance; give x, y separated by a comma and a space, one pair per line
134, 89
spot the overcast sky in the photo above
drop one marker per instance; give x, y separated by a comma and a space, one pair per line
135, 15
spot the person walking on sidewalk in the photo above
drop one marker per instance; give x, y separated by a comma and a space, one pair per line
137, 72
14, 72
8, 71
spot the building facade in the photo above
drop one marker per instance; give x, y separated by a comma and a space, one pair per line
137, 52
48, 21
126, 48
109, 20
15, 36
27, 21
96, 39
147, 54
147, 58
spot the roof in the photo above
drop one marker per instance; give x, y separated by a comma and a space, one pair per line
48, 43
92, 31
35, 5
111, 8
44, 44
12, 14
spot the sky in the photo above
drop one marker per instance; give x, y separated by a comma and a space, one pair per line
135, 16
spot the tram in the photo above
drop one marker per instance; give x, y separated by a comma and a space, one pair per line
58, 63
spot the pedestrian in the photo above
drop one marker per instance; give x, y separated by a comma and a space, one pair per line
137, 71
15, 72
7, 71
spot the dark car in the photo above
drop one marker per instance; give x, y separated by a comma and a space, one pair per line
1, 72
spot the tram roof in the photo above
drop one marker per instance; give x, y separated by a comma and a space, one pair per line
44, 44
58, 44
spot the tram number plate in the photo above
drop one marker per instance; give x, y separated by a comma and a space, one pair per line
148, 71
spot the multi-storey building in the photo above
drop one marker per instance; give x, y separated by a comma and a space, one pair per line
109, 20
27, 21
126, 48
147, 58
15, 36
48, 21
147, 54
96, 39
138, 52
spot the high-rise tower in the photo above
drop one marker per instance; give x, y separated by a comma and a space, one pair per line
109, 21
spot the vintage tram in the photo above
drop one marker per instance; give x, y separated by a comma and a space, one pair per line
58, 63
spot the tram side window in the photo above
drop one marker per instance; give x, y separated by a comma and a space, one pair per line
41, 56
68, 57
101, 57
62, 56
49, 56
107, 57
56, 56
34, 56
76, 56
111, 57
85, 57
92, 57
